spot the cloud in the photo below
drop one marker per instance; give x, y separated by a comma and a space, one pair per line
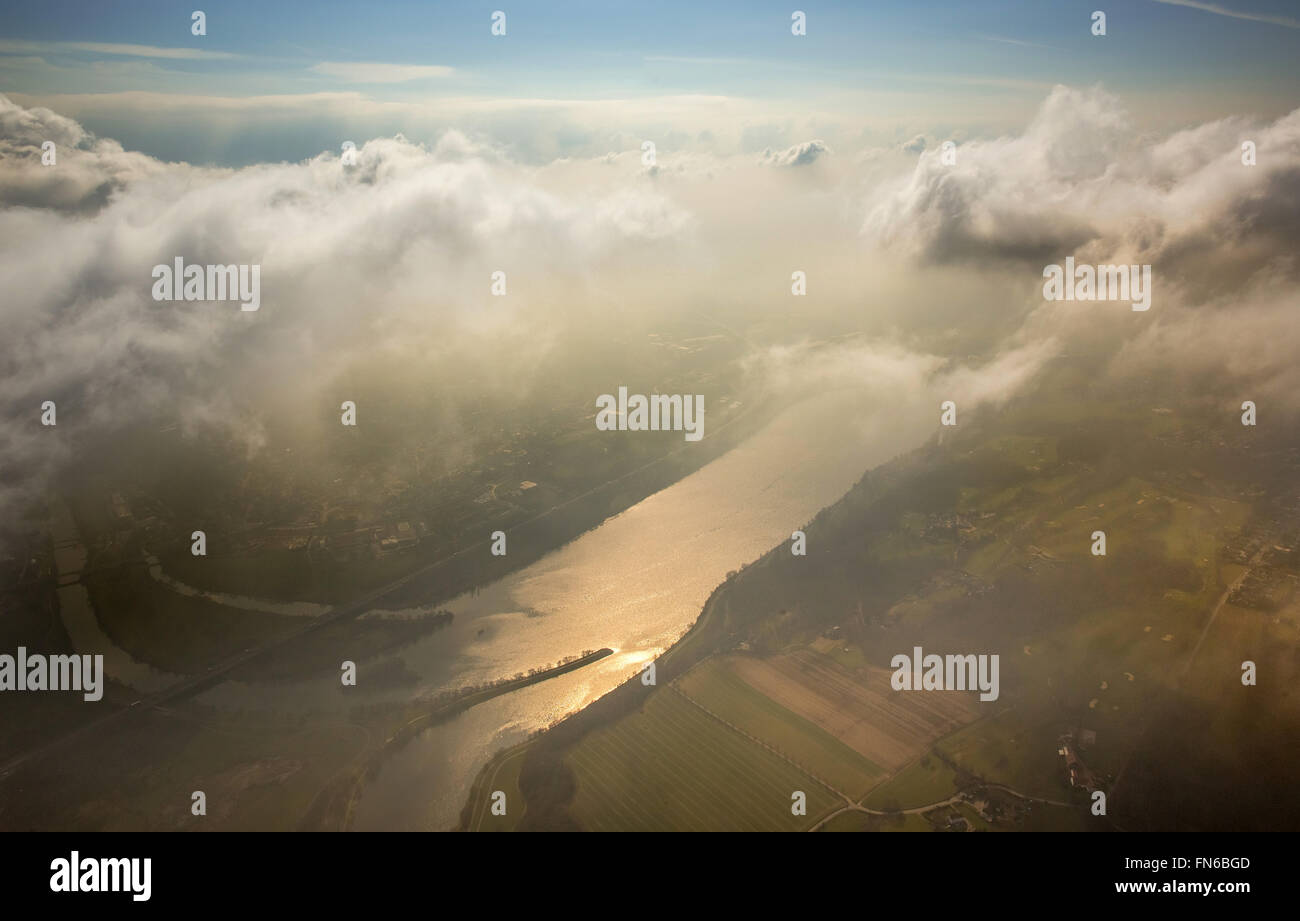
911, 381
677, 59
384, 266
87, 170
387, 260
378, 72
1288, 21
261, 116
1003, 198
1082, 175
1082, 180
243, 129
14, 46
1014, 41
915, 145
803, 154
1223, 351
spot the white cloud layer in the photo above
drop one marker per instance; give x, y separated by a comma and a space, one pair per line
1082, 180
381, 72
938, 265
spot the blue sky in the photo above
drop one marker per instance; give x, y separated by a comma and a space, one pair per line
1183, 61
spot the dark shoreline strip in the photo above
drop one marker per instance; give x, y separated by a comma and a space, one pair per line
343, 800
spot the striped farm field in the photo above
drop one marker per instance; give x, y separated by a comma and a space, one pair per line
672, 767
862, 711
716, 686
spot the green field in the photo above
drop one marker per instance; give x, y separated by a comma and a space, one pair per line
928, 780
1043, 817
670, 766
862, 821
257, 775
175, 632
1004, 750
715, 686
503, 775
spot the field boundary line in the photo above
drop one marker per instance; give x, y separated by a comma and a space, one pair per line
759, 742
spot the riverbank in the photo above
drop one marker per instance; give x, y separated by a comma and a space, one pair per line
548, 743
333, 808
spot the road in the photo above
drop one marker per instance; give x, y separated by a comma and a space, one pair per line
955, 798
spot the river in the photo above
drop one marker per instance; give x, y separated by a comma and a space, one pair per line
634, 584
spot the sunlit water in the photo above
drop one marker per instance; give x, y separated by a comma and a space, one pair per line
635, 584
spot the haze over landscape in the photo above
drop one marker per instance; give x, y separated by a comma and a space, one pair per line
359, 551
